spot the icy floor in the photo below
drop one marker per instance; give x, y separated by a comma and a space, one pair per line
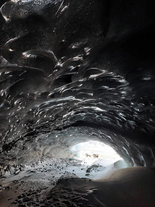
71, 183
30, 186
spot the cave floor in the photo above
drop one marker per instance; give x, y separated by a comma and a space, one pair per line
70, 184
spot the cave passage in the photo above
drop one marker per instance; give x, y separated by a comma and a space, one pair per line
77, 103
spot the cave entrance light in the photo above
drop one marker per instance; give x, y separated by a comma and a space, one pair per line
94, 151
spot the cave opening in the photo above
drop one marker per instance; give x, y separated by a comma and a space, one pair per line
97, 158
90, 151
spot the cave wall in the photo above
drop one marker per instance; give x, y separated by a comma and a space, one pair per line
77, 65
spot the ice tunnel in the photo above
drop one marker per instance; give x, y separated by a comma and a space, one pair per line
77, 103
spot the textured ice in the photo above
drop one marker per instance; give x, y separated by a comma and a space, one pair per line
72, 72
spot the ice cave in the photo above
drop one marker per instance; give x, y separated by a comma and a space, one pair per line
77, 103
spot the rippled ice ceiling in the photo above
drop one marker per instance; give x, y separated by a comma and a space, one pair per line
72, 71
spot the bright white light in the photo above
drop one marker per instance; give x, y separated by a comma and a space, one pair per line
91, 151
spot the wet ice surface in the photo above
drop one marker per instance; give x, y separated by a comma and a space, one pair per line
80, 91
